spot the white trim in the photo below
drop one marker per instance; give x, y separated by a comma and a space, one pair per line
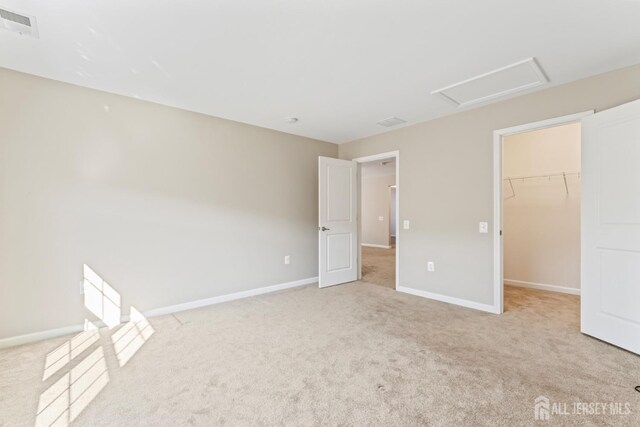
374, 157
371, 245
229, 297
447, 299
542, 286
380, 156
544, 124
53, 333
39, 336
498, 282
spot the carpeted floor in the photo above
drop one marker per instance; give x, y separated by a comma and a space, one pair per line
355, 354
379, 266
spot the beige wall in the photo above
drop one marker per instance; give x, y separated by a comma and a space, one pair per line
375, 204
168, 206
446, 173
541, 223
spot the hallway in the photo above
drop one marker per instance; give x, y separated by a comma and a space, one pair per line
379, 266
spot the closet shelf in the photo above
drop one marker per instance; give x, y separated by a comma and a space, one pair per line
562, 175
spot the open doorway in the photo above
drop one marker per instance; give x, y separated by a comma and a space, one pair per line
539, 214
609, 224
340, 224
378, 220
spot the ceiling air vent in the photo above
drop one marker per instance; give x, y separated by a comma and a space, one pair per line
391, 121
504, 81
18, 23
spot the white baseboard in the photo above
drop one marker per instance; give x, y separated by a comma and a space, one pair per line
229, 297
542, 286
39, 336
53, 333
371, 245
451, 300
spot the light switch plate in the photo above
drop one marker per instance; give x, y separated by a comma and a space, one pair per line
380, 218
287, 259
405, 224
431, 266
484, 227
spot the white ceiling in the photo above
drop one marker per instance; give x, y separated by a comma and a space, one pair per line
379, 167
338, 65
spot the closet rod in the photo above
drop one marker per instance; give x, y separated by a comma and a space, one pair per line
552, 175
564, 176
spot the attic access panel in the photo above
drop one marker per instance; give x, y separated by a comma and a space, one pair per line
504, 81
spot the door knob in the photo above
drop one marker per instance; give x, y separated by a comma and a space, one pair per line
323, 228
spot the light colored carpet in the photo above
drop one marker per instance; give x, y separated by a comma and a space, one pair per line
355, 354
379, 266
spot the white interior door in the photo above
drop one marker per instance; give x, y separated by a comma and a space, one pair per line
611, 226
338, 226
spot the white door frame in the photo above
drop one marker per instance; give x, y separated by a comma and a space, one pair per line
498, 252
372, 158
390, 190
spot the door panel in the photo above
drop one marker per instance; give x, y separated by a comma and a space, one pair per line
611, 226
339, 247
337, 225
619, 157
339, 184
622, 298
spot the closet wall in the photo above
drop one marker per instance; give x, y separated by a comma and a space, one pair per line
541, 221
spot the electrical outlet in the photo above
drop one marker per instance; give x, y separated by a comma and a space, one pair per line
287, 259
380, 218
431, 266
483, 227
405, 224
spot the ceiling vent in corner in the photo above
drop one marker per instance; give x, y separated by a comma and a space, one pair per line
391, 121
504, 81
24, 25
